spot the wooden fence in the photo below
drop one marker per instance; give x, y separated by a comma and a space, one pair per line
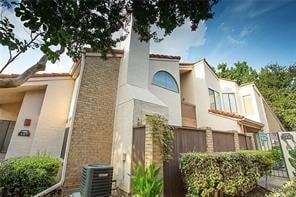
187, 140
138, 148
223, 141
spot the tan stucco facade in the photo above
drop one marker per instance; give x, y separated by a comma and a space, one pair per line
9, 111
200, 77
45, 101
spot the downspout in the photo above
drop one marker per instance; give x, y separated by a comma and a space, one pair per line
61, 182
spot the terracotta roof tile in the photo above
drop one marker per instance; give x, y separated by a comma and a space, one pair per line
228, 114
120, 51
37, 75
113, 51
164, 56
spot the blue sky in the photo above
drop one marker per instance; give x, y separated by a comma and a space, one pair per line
257, 31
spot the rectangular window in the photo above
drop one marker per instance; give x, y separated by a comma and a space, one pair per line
215, 100
248, 104
229, 102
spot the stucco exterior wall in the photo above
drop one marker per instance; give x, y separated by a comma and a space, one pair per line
261, 111
52, 120
9, 111
48, 110
31, 106
135, 99
135, 62
231, 87
122, 144
171, 99
187, 87
248, 90
273, 123
202, 78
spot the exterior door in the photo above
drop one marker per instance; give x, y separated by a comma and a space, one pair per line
6, 130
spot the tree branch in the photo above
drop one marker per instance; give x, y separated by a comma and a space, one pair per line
39, 66
11, 59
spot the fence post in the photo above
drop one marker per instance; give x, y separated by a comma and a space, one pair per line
209, 140
252, 140
148, 146
236, 141
152, 152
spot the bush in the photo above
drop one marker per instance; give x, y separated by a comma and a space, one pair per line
231, 174
288, 190
26, 176
277, 153
146, 182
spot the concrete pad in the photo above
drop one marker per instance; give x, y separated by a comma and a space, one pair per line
273, 182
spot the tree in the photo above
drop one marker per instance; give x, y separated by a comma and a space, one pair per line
72, 25
241, 72
277, 85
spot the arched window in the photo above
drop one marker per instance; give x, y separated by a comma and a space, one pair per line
165, 80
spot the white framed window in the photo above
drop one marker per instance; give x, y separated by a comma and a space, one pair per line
248, 105
229, 102
215, 99
165, 80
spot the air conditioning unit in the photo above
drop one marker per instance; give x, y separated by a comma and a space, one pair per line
96, 180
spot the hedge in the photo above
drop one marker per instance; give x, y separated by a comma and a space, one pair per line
26, 176
230, 174
288, 190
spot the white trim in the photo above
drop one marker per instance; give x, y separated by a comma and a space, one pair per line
164, 59
92, 54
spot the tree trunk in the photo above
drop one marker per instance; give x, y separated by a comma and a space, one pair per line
21, 79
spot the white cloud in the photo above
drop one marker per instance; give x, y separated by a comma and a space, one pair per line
240, 36
246, 31
235, 41
180, 41
243, 6
255, 8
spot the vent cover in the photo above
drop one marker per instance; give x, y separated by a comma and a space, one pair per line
96, 180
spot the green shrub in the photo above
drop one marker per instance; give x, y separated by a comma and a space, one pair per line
288, 190
146, 182
231, 173
277, 154
26, 176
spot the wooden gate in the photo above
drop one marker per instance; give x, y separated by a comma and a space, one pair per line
249, 142
138, 149
223, 141
242, 141
186, 140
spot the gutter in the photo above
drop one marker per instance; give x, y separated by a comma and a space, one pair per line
61, 182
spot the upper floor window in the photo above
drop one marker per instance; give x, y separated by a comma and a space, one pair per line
165, 80
215, 100
248, 104
229, 102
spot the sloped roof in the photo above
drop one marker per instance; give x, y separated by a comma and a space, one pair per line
37, 75
228, 114
164, 56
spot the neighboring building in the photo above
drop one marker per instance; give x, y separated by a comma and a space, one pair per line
223, 104
90, 113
